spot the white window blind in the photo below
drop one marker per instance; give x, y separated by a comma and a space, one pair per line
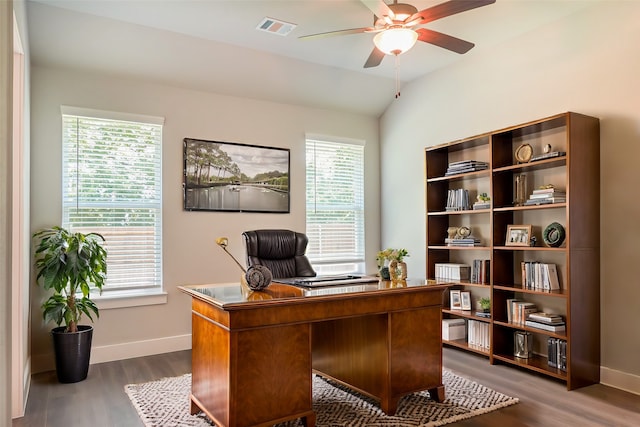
335, 206
112, 182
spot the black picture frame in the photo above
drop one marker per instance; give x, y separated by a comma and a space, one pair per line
234, 177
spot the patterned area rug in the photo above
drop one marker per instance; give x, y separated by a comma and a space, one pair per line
165, 403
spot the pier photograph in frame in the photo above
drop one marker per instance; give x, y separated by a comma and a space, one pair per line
233, 177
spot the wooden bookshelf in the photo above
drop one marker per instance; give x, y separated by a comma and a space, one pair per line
576, 172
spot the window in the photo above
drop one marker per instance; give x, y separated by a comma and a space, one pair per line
112, 185
335, 205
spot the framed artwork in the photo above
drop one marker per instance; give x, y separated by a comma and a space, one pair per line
465, 300
455, 300
518, 235
232, 177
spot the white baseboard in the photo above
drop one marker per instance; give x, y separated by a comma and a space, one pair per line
109, 353
19, 403
621, 380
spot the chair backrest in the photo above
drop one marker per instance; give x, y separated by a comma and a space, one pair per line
281, 251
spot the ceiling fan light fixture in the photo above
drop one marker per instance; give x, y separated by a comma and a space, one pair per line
395, 41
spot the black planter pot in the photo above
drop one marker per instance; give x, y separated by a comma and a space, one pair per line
72, 351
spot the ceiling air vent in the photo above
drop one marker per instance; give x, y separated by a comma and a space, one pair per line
275, 26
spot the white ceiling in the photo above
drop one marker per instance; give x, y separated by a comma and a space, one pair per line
214, 45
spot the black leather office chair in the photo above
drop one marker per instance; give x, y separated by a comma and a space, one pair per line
281, 251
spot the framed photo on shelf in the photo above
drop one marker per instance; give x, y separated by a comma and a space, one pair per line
518, 235
465, 300
456, 304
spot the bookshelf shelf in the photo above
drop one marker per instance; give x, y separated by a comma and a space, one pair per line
519, 326
466, 314
561, 293
459, 248
575, 171
462, 344
529, 208
536, 363
467, 212
540, 164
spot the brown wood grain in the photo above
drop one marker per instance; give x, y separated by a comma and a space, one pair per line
259, 354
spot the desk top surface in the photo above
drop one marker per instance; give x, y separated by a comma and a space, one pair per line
233, 294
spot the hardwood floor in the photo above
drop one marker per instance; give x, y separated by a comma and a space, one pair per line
100, 401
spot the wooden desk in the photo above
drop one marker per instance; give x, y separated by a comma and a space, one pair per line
253, 352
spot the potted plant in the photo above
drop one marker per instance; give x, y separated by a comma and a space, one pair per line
484, 304
391, 264
382, 261
70, 264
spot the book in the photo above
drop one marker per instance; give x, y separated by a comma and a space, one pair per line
510, 304
466, 241
545, 190
452, 271
557, 353
548, 195
538, 275
480, 271
457, 200
554, 281
550, 155
521, 310
549, 318
544, 326
481, 205
546, 201
465, 166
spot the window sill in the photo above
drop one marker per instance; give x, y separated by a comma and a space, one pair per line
127, 299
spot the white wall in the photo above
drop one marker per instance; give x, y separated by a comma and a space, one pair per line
190, 253
21, 237
587, 63
6, 65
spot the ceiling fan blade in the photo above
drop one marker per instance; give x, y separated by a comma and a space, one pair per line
379, 8
443, 10
443, 40
339, 33
375, 58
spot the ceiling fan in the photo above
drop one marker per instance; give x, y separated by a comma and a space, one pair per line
395, 27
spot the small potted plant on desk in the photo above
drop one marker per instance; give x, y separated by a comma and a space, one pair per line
70, 264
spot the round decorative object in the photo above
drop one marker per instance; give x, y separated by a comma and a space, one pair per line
553, 235
523, 153
464, 231
546, 149
258, 277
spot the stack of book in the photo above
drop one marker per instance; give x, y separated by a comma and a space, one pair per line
545, 196
538, 275
481, 204
452, 271
478, 334
465, 166
464, 241
546, 321
518, 311
457, 200
550, 155
480, 271
557, 353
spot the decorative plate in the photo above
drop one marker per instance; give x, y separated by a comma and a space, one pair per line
523, 153
553, 235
